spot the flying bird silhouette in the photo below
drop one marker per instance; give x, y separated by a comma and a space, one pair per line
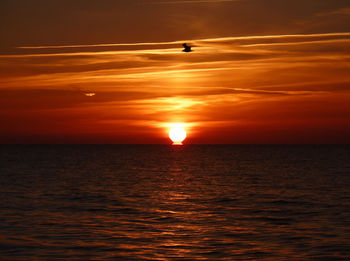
187, 48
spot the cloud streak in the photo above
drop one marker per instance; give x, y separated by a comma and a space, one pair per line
229, 83
198, 41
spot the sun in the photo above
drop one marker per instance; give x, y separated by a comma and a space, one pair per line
177, 134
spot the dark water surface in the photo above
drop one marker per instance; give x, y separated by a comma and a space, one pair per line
87, 202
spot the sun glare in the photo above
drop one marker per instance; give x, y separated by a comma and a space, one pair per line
177, 134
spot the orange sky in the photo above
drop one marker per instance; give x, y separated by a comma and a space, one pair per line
113, 72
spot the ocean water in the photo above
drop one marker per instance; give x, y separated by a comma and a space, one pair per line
149, 202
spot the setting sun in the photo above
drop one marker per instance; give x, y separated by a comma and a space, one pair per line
175, 129
177, 134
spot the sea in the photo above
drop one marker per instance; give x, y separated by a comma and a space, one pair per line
162, 202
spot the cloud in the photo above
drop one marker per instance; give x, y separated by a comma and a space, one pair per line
173, 44
225, 83
341, 11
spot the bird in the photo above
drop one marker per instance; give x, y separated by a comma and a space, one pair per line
187, 48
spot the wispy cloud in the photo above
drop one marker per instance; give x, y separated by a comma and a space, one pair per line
172, 43
225, 83
342, 11
98, 45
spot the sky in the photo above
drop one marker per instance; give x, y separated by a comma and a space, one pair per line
113, 71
